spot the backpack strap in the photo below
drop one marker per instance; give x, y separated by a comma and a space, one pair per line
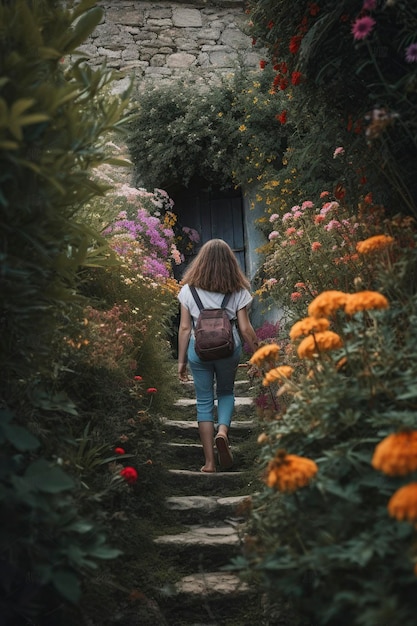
200, 304
196, 297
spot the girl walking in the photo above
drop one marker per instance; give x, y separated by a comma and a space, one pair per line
214, 273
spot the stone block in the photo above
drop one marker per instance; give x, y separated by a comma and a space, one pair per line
159, 24
158, 60
130, 53
187, 17
235, 39
223, 59
110, 54
180, 59
159, 13
131, 17
212, 34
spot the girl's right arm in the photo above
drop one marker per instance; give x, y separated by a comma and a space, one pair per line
246, 329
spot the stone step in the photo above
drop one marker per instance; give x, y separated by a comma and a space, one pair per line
188, 429
196, 509
244, 407
203, 546
211, 598
186, 482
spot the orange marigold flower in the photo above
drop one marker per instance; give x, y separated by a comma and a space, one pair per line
396, 455
377, 242
326, 303
308, 325
264, 353
319, 342
403, 504
277, 373
288, 472
364, 300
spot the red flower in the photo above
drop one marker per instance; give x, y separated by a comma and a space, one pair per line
282, 117
151, 390
314, 8
270, 24
283, 84
138, 378
295, 43
368, 198
262, 64
253, 41
119, 451
129, 474
296, 78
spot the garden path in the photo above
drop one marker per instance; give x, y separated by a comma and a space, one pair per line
211, 511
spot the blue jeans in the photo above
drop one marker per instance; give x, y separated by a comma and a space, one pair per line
205, 373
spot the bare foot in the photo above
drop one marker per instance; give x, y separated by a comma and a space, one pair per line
208, 469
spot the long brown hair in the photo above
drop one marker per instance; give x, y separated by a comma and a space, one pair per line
215, 268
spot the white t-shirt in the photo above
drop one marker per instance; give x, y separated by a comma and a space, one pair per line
212, 300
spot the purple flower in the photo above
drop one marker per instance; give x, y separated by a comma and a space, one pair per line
411, 53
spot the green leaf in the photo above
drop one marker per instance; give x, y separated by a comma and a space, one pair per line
67, 584
83, 28
46, 477
21, 438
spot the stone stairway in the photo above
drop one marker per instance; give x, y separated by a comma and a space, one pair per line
211, 510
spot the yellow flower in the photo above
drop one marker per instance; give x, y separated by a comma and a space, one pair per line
308, 325
319, 342
220, 114
396, 455
288, 472
364, 300
277, 373
403, 504
377, 242
326, 303
264, 353
242, 128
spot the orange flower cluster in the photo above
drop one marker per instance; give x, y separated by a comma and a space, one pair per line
403, 504
364, 300
377, 242
277, 373
326, 303
396, 455
288, 472
264, 353
308, 325
320, 342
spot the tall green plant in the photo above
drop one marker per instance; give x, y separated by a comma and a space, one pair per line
54, 114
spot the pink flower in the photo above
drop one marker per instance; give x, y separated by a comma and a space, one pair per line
290, 231
271, 282
307, 204
295, 296
273, 235
300, 285
129, 474
318, 219
151, 390
287, 216
362, 27
137, 378
316, 245
297, 214
295, 208
119, 451
274, 217
332, 225
411, 53
324, 194
339, 150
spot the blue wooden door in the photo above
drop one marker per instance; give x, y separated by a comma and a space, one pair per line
213, 213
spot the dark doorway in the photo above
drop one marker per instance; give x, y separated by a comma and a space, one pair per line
213, 213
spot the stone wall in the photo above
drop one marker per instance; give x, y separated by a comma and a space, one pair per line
164, 40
